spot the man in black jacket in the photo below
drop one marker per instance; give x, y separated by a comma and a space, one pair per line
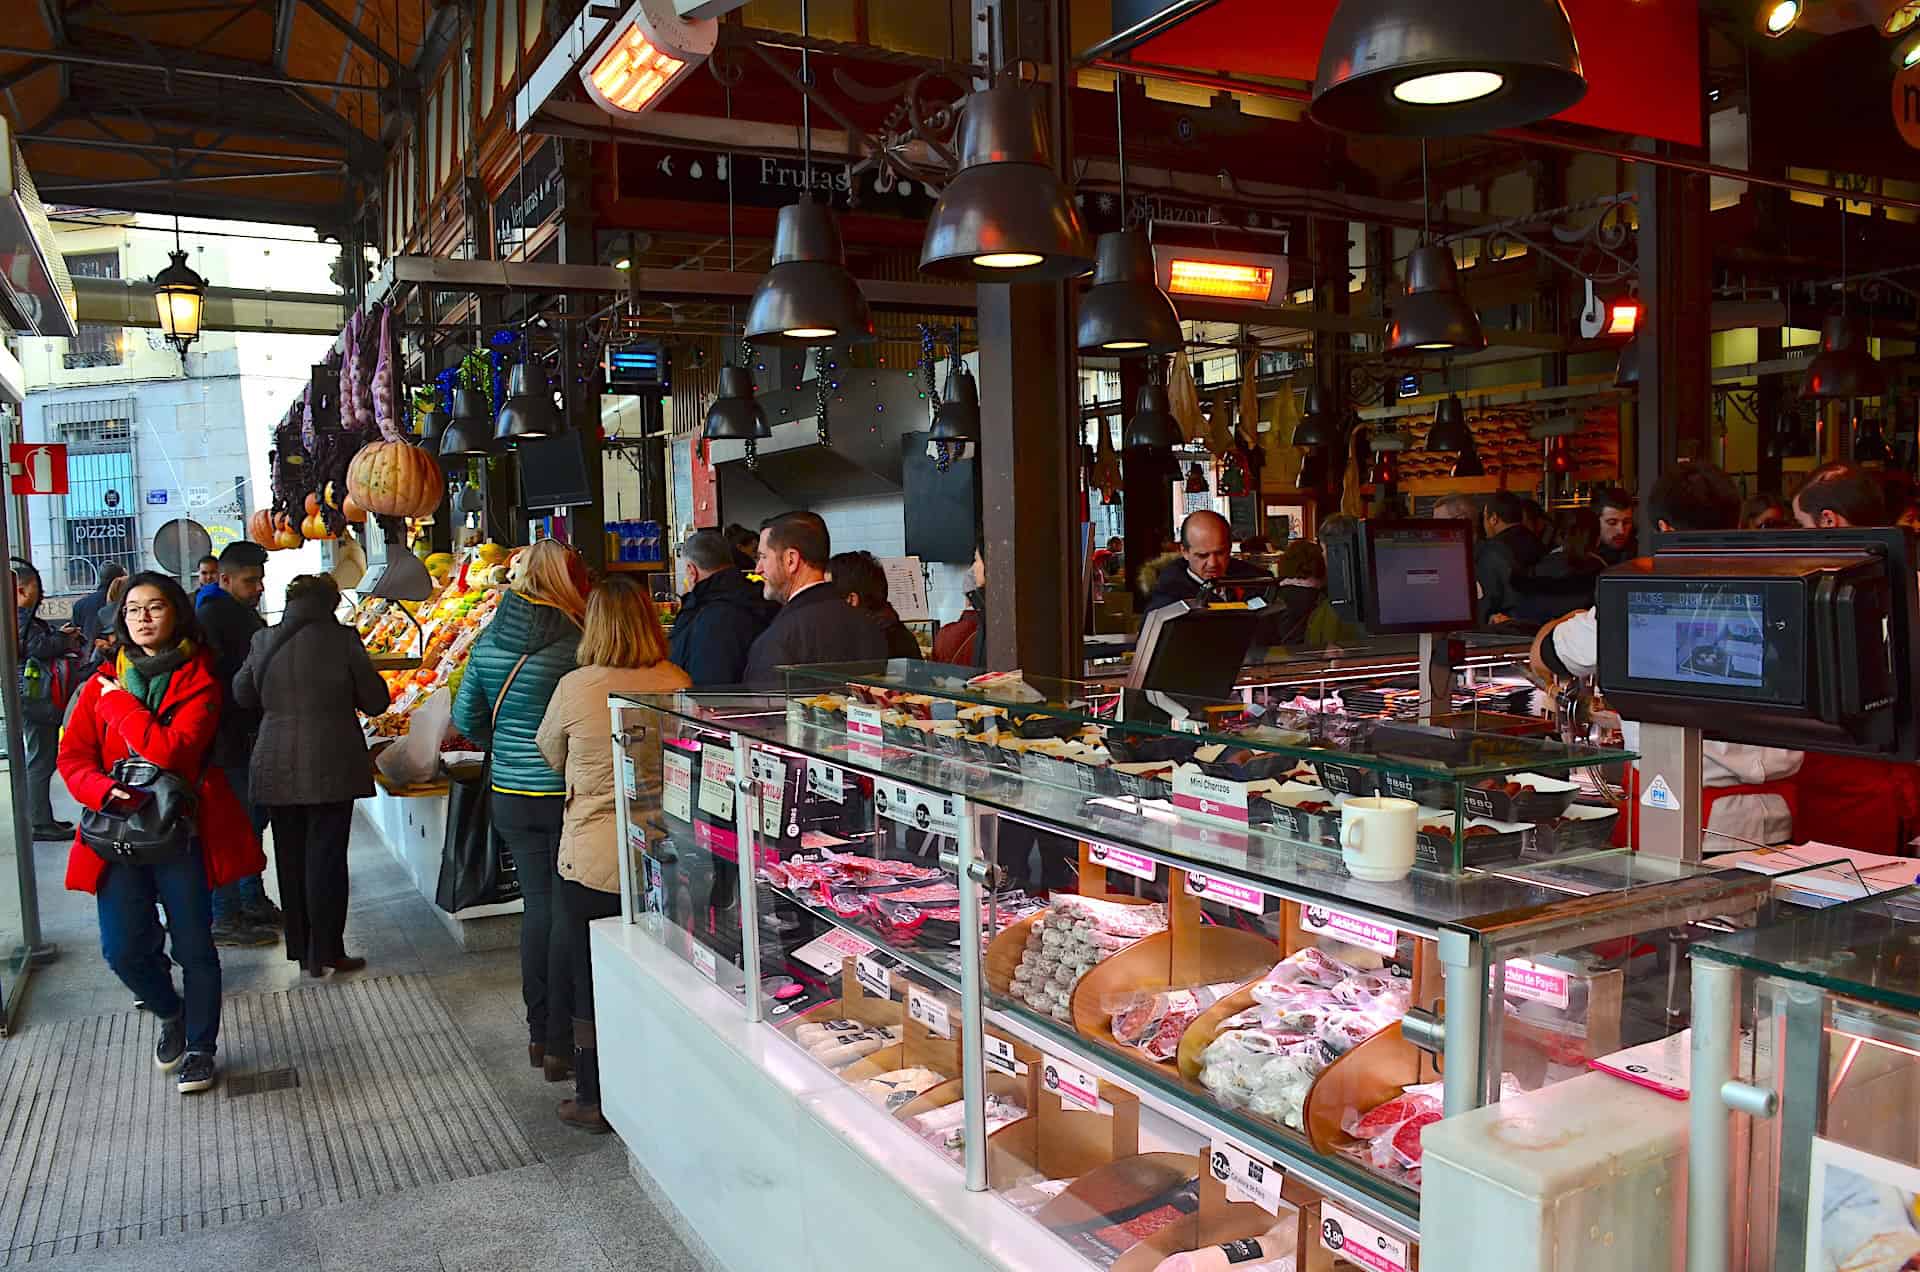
229, 616
1505, 556
1206, 546
858, 577
815, 625
721, 615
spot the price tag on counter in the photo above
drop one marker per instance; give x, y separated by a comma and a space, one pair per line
922, 810
1000, 1057
1074, 1085
1368, 934
863, 721
629, 780
824, 781
829, 952
1248, 1176
1213, 798
1537, 983
1131, 863
1359, 1242
929, 1011
770, 779
716, 782
704, 960
1237, 895
676, 789
874, 976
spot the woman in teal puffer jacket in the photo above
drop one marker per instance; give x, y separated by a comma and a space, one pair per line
510, 677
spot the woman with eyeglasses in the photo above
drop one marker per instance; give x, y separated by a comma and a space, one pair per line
160, 701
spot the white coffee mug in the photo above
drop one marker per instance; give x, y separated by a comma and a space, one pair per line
1377, 837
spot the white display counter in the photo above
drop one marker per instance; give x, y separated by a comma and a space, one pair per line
414, 827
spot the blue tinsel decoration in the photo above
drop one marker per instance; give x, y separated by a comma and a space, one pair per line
503, 348
444, 385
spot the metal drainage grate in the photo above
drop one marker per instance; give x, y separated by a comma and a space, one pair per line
284, 1079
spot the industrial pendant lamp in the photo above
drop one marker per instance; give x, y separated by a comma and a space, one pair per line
466, 435
735, 415
1626, 371
528, 411
1433, 317
1445, 68
1006, 217
1125, 312
1869, 447
958, 419
1843, 368
1449, 431
1153, 425
1469, 465
1314, 429
808, 297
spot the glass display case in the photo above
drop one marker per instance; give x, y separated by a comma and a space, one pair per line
1116, 959
1805, 1072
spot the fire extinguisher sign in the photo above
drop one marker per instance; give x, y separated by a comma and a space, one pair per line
37, 468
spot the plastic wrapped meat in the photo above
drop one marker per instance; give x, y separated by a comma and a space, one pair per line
899, 1087
1135, 921
1154, 1022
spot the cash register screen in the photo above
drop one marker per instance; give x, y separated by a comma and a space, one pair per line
1708, 639
1419, 576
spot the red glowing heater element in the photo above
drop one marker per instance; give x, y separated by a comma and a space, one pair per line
1221, 279
1623, 317
645, 52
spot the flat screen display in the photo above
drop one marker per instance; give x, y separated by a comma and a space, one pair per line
1706, 637
1420, 576
553, 472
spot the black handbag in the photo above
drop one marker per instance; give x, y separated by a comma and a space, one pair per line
156, 829
475, 869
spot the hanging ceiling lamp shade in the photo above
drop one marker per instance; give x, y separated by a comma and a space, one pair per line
1469, 465
1313, 429
1125, 311
958, 419
1153, 424
735, 415
1626, 371
1005, 217
808, 297
528, 411
466, 434
177, 293
1433, 317
1445, 68
1449, 431
1843, 368
1869, 447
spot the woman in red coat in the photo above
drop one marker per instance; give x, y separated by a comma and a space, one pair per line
161, 701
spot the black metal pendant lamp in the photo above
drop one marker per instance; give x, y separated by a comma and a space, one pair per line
958, 419
1006, 217
1626, 370
1125, 312
1844, 368
1449, 431
736, 416
528, 411
1445, 68
1433, 317
466, 435
1315, 429
1152, 424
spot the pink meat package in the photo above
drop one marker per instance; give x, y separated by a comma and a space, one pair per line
1152, 1023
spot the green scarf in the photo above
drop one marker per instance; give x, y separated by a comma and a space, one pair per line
146, 676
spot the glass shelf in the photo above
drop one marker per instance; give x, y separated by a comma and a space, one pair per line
1867, 949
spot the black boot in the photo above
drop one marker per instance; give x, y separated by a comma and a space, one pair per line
582, 1112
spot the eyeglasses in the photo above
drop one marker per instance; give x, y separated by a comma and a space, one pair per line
159, 609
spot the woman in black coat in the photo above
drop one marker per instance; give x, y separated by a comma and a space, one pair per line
307, 676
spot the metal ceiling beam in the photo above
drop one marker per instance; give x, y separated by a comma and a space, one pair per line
283, 33
54, 20
398, 73
325, 170
154, 148
68, 57
117, 302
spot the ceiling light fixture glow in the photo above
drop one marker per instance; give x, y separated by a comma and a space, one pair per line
1778, 19
1448, 87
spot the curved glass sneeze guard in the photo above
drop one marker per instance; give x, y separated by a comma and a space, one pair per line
1867, 949
1426, 900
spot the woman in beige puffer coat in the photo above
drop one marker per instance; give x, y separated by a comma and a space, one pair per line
622, 651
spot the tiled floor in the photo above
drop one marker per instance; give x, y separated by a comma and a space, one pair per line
577, 1209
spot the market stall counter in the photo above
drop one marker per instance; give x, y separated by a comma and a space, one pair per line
1164, 977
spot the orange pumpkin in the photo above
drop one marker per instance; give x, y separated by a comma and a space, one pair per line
260, 528
285, 533
315, 527
352, 511
313, 504
395, 479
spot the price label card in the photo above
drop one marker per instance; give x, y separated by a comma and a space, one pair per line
829, 952
770, 777
716, 782
824, 781
929, 1011
1131, 863
922, 810
629, 780
704, 960
1074, 1085
874, 976
1248, 1176
676, 788
1214, 798
1539, 984
1000, 1057
1237, 895
1359, 1242
1351, 929
863, 721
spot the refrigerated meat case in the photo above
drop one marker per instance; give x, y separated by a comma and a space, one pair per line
1051, 945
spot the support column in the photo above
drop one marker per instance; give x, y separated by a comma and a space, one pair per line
1769, 400
1676, 286
581, 379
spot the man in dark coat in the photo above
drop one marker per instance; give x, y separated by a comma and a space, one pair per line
858, 578
86, 610
229, 616
1206, 544
721, 615
815, 625
1506, 556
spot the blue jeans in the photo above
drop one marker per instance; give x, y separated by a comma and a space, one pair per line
248, 893
135, 946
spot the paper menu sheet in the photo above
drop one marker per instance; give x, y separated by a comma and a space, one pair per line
1666, 1064
906, 587
1823, 870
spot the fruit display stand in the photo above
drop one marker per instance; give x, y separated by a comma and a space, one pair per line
1163, 933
